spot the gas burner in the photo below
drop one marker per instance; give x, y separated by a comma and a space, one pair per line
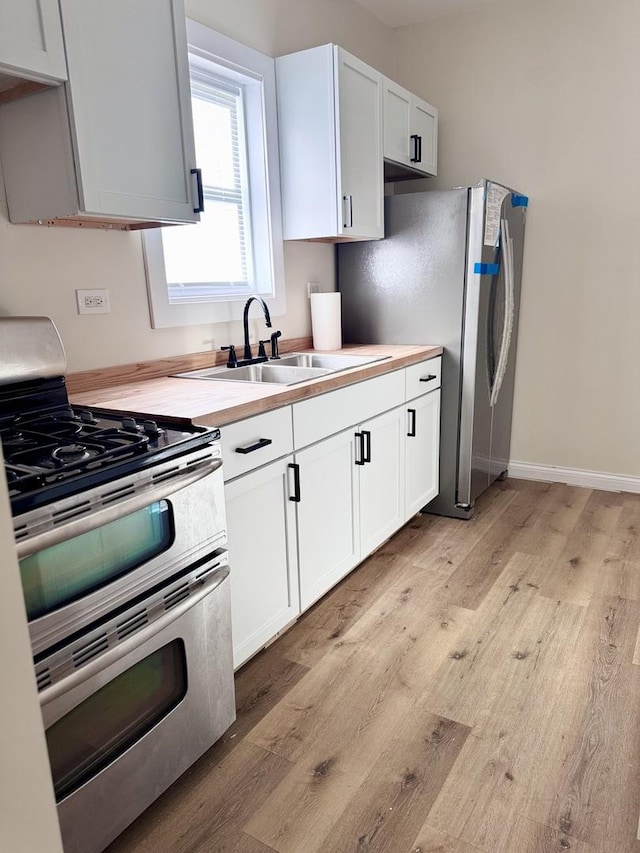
14, 439
64, 424
68, 453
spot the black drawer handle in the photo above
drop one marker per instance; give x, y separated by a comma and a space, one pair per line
295, 497
360, 440
412, 423
261, 442
428, 378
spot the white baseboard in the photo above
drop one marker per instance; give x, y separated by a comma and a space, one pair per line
574, 477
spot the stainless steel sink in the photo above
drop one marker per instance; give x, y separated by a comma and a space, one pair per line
331, 362
288, 370
268, 373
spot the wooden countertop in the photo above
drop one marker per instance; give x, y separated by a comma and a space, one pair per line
215, 403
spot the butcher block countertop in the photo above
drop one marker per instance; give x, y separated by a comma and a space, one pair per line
214, 403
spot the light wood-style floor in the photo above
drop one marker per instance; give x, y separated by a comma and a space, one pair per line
473, 686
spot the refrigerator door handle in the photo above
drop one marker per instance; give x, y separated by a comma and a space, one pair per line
509, 311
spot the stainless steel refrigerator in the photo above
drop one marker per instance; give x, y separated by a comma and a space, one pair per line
448, 272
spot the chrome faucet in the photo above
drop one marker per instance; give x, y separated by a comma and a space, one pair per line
245, 320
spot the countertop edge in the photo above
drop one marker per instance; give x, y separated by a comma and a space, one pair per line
191, 399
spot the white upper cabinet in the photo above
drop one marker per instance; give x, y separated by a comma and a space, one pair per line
114, 144
31, 44
331, 138
410, 132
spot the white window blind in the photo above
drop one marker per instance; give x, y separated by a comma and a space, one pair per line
214, 257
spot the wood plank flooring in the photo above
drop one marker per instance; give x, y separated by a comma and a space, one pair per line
473, 687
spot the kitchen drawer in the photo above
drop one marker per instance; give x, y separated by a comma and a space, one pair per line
253, 442
327, 414
423, 377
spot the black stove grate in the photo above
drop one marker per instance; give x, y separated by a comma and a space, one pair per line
51, 453
34, 459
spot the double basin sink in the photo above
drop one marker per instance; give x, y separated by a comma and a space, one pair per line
287, 370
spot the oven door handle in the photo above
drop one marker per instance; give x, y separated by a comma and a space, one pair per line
99, 517
134, 641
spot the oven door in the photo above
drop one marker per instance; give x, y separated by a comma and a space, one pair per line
85, 556
123, 727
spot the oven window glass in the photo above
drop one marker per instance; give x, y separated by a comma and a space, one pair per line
67, 571
110, 721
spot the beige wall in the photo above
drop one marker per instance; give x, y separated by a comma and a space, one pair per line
544, 96
41, 268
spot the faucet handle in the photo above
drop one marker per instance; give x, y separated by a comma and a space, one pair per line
274, 344
261, 350
233, 359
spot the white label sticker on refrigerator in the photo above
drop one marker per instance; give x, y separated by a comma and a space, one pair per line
495, 195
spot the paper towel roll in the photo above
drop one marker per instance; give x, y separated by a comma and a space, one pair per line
326, 320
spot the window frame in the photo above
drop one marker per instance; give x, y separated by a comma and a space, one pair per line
206, 46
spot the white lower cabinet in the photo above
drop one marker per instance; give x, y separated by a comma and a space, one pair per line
422, 452
351, 500
262, 557
381, 479
304, 509
327, 513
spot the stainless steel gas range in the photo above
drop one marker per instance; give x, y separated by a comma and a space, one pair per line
120, 531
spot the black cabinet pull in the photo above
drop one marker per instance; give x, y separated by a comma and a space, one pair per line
367, 445
412, 423
249, 448
295, 497
428, 378
198, 174
360, 440
417, 148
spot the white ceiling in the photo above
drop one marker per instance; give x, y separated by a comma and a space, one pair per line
401, 13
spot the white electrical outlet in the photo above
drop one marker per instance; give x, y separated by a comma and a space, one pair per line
93, 301
313, 287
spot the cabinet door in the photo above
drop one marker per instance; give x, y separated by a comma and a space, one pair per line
262, 557
130, 107
422, 457
328, 534
424, 126
359, 133
397, 122
31, 40
382, 479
